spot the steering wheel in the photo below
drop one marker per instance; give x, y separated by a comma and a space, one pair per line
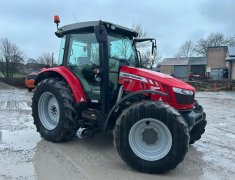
91, 73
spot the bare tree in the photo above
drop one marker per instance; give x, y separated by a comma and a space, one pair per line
213, 40
187, 49
151, 61
10, 58
138, 28
124, 46
32, 61
46, 59
141, 34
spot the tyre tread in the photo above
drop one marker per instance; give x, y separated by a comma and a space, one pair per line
70, 125
147, 108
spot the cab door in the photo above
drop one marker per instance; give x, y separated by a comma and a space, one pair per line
83, 58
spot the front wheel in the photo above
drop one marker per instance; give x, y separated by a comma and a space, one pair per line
53, 110
151, 137
199, 129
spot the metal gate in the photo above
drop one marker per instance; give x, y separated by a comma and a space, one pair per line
216, 74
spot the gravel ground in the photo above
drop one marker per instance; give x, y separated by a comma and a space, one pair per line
24, 155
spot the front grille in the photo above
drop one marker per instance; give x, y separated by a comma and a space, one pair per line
184, 99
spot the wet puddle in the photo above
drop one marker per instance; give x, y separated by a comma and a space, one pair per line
19, 140
14, 105
17, 149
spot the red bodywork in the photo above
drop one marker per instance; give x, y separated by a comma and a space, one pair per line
193, 76
29, 80
29, 83
133, 79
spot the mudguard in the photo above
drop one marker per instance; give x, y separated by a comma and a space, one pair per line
68, 76
125, 98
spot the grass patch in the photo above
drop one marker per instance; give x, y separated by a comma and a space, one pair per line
16, 75
220, 85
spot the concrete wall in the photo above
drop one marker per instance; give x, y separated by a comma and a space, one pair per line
216, 57
167, 69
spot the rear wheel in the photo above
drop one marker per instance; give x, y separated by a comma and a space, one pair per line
53, 111
151, 137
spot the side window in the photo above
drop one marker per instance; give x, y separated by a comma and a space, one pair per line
78, 51
61, 52
95, 53
83, 50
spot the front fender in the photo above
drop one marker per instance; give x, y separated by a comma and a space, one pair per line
125, 98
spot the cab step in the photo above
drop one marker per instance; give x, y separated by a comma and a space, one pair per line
89, 114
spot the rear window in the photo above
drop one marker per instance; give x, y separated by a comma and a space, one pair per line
31, 76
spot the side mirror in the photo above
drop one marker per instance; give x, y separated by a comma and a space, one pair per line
101, 33
153, 46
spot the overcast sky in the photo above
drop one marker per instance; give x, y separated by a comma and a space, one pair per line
29, 23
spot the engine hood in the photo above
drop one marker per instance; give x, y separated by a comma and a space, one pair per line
156, 76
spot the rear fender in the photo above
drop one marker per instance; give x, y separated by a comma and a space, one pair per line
71, 79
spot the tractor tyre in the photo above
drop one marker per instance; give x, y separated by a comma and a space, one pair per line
53, 110
197, 131
198, 107
151, 137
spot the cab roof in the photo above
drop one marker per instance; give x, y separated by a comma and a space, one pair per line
89, 27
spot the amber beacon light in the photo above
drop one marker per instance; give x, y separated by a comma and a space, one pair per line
56, 19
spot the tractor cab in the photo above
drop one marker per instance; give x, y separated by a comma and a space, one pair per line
94, 52
83, 56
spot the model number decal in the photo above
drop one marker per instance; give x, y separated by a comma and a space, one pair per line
131, 76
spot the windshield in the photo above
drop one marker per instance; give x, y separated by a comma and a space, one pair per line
121, 48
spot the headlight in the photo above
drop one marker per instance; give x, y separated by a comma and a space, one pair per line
182, 91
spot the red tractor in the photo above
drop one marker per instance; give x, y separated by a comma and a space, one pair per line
100, 85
